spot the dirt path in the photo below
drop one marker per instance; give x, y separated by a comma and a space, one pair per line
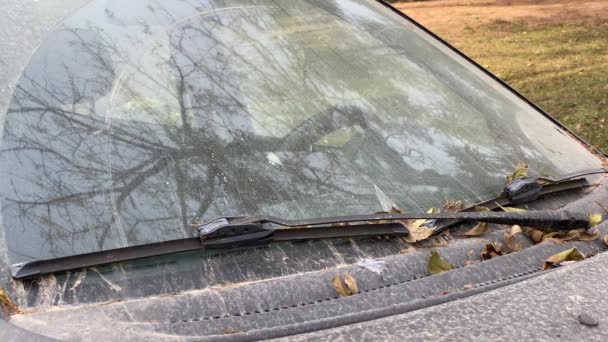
451, 17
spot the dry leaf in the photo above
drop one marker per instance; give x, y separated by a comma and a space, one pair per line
346, 287
536, 235
7, 304
571, 254
467, 287
451, 206
513, 245
590, 235
492, 250
437, 264
481, 208
339, 285
606, 240
521, 171
479, 229
594, 219
470, 253
470, 262
351, 284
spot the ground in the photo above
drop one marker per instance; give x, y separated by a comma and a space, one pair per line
553, 51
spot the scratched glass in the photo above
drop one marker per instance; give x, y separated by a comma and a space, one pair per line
136, 118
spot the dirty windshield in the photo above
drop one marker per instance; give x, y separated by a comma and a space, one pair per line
134, 119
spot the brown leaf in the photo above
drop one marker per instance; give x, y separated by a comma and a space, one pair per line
513, 245
536, 235
590, 235
451, 206
470, 262
606, 240
351, 284
416, 232
339, 285
7, 304
437, 264
521, 171
571, 254
479, 229
467, 287
492, 250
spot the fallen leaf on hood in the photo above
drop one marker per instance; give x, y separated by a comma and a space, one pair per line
437, 264
521, 171
479, 229
351, 284
339, 285
7, 304
571, 254
594, 219
590, 234
492, 250
513, 245
536, 235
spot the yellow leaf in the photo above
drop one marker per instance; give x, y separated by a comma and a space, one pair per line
351, 284
340, 286
594, 219
437, 264
521, 171
571, 254
480, 208
479, 229
416, 231
512, 243
7, 304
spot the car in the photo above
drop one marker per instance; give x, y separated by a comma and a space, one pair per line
299, 169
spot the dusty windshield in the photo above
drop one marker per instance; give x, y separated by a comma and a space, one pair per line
134, 119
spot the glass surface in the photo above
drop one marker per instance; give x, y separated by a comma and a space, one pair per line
135, 118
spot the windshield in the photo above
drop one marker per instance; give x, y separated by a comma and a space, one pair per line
134, 119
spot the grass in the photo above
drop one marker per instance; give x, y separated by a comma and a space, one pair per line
561, 67
559, 61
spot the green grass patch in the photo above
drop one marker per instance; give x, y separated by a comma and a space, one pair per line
561, 67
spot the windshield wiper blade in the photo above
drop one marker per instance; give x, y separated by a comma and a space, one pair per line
239, 232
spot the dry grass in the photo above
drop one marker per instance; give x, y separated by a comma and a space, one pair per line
553, 51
